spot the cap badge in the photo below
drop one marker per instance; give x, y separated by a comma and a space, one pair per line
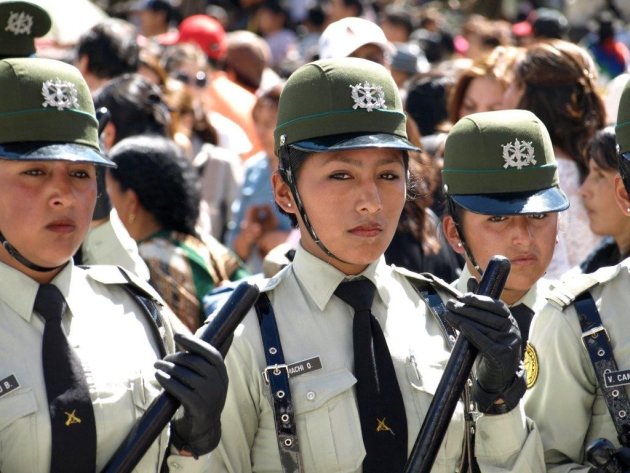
60, 94
19, 23
518, 154
368, 96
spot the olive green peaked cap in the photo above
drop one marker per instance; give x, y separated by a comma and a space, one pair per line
46, 113
622, 129
343, 103
502, 163
20, 24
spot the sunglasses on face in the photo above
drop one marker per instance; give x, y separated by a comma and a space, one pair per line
199, 80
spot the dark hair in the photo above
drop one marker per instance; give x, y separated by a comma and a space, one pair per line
426, 102
602, 148
560, 88
166, 183
401, 16
135, 104
111, 48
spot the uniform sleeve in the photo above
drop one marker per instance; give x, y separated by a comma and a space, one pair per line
509, 442
561, 399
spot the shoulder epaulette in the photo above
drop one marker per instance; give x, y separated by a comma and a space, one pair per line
109, 274
420, 280
564, 293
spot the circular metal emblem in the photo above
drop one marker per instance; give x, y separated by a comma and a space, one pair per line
531, 365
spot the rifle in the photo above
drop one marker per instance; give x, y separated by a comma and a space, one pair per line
452, 383
163, 407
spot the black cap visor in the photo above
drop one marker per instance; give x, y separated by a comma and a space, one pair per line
542, 201
45, 151
354, 141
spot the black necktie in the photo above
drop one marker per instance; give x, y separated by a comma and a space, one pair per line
71, 412
523, 316
381, 408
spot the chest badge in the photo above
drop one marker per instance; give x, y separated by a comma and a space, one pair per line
383, 427
71, 418
531, 365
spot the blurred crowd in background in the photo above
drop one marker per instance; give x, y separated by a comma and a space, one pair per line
208, 75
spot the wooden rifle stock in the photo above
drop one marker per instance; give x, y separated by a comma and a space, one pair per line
453, 380
163, 407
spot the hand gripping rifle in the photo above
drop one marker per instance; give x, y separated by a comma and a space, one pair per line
453, 380
163, 407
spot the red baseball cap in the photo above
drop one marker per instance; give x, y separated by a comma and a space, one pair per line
205, 31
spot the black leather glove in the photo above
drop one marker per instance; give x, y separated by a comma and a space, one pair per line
488, 325
606, 458
198, 379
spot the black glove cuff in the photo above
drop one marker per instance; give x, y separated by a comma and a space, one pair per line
510, 396
200, 445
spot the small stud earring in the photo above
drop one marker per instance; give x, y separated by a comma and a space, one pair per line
628, 209
289, 205
459, 244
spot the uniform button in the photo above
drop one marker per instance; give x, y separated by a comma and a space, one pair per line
310, 395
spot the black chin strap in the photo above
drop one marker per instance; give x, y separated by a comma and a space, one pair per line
16, 254
288, 174
452, 209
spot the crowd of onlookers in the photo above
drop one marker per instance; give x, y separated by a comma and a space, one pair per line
206, 77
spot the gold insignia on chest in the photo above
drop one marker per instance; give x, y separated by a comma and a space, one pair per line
531, 365
72, 418
383, 427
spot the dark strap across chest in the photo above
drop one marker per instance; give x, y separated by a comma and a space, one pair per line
597, 343
276, 374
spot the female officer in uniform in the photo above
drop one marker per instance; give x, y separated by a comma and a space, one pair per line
77, 353
337, 371
582, 341
503, 198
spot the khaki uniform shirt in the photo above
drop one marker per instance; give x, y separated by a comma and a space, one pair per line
113, 342
565, 401
313, 323
110, 243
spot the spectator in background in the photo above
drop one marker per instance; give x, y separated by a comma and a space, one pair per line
107, 50
155, 17
557, 81
220, 94
408, 61
480, 87
274, 26
355, 37
339, 9
309, 32
598, 194
610, 54
257, 225
483, 35
156, 192
247, 61
397, 22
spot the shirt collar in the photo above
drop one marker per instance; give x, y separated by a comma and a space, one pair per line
23, 300
320, 279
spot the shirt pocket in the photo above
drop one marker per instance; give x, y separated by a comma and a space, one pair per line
329, 428
18, 429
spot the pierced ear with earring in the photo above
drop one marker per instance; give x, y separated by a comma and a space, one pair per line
289, 204
459, 244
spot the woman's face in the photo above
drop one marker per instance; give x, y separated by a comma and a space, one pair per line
528, 241
483, 94
353, 200
45, 211
512, 96
598, 195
